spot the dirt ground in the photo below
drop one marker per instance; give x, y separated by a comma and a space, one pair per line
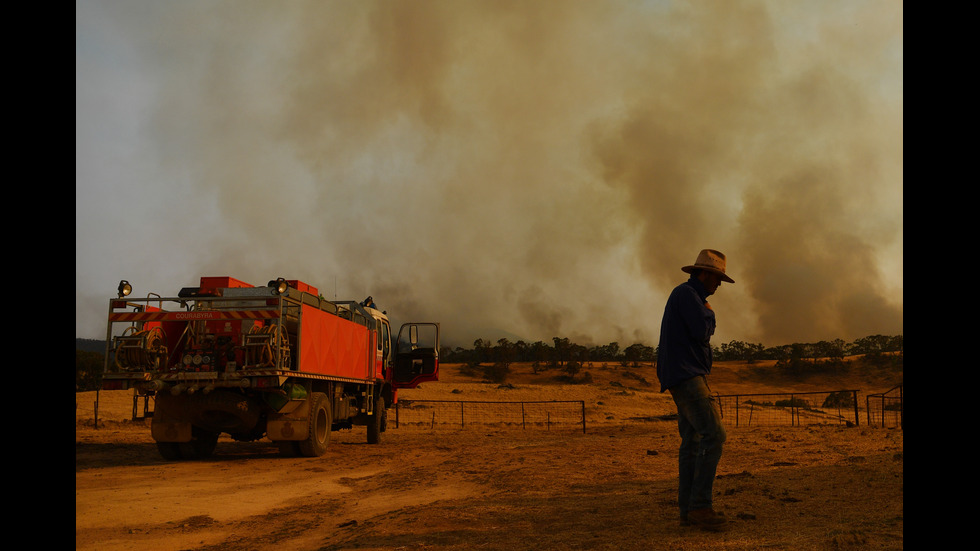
610, 487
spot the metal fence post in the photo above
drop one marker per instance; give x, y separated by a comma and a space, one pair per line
857, 416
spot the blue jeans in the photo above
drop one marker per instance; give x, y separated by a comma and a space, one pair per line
702, 436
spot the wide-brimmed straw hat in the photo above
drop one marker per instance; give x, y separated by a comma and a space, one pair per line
711, 260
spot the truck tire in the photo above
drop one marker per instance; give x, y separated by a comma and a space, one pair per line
288, 448
320, 423
376, 424
202, 443
201, 446
169, 450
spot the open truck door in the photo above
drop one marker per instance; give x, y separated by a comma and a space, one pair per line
416, 355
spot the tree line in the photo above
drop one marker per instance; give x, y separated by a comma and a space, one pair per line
562, 351
493, 359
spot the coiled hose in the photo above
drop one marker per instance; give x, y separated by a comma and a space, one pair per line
140, 348
270, 344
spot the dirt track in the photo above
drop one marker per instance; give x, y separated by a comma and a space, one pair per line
826, 487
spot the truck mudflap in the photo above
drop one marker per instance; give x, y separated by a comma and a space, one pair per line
284, 429
293, 425
308, 436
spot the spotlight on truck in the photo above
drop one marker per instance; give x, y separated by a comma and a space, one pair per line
279, 286
124, 288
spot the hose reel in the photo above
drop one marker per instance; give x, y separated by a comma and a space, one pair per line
267, 346
141, 349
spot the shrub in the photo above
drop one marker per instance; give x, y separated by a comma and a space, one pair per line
88, 370
792, 402
839, 399
497, 373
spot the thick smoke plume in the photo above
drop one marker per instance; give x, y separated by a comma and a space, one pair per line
523, 169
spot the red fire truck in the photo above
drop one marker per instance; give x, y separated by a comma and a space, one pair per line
276, 361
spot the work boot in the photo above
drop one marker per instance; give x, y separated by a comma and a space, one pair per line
706, 519
686, 522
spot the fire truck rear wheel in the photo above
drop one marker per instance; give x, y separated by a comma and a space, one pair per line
169, 450
201, 446
202, 443
320, 423
288, 448
376, 425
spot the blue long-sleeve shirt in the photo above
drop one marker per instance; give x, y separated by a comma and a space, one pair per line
685, 332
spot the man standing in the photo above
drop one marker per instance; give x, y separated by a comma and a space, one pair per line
683, 363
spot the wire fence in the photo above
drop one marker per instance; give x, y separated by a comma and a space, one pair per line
885, 409
524, 415
833, 407
838, 407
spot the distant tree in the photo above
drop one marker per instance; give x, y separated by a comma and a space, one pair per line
872, 345
522, 350
612, 349
538, 354
562, 345
481, 351
578, 353
504, 352
496, 372
756, 352
605, 353
88, 370
896, 344
831, 351
634, 354
501, 355
572, 368
795, 363
733, 351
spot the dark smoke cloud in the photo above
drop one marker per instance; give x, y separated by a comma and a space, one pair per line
791, 151
539, 169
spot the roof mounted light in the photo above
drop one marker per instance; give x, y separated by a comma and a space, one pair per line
279, 286
124, 288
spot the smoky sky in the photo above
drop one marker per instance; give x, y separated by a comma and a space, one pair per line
510, 169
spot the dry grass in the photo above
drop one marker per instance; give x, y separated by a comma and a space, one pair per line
822, 487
